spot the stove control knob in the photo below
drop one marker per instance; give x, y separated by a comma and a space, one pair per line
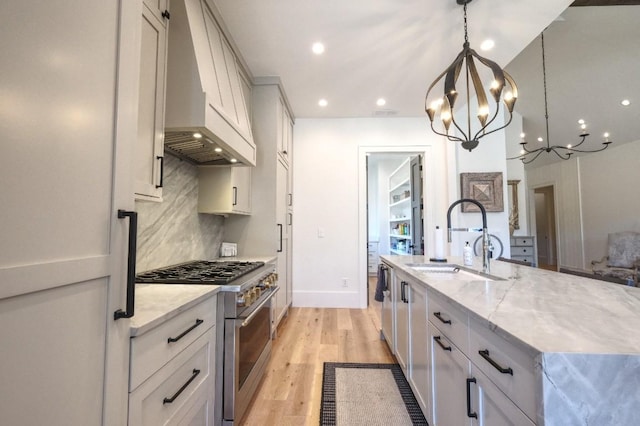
240, 300
257, 291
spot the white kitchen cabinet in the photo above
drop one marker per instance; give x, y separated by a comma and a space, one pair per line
151, 101
185, 381
403, 340
285, 132
269, 228
523, 248
224, 190
469, 388
450, 370
420, 369
66, 169
388, 314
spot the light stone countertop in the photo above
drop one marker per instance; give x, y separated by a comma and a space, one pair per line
543, 311
157, 303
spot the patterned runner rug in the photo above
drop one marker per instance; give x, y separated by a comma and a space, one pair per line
367, 395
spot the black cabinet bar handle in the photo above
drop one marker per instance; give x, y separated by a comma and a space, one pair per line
290, 199
280, 227
131, 265
161, 171
235, 196
402, 291
485, 354
439, 316
184, 333
470, 413
290, 219
439, 342
177, 394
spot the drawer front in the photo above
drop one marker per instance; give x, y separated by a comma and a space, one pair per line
171, 392
522, 241
151, 350
451, 321
528, 259
522, 251
519, 383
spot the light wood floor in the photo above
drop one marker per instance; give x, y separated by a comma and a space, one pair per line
291, 389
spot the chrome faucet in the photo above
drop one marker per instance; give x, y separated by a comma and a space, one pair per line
486, 267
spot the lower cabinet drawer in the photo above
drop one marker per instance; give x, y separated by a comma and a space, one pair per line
522, 241
522, 251
528, 259
170, 395
451, 321
508, 366
155, 348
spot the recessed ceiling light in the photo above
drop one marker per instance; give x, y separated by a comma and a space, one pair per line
318, 48
233, 160
197, 135
626, 102
488, 44
218, 149
540, 139
381, 102
581, 121
323, 103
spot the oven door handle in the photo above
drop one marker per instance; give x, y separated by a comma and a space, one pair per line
247, 320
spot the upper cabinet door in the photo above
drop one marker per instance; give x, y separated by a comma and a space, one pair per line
151, 101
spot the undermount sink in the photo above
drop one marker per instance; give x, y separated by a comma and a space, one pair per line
451, 272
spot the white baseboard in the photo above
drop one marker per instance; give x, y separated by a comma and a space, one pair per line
326, 299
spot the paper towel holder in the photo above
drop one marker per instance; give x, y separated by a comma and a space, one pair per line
438, 236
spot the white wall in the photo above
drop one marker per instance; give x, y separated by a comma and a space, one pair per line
330, 188
329, 185
594, 196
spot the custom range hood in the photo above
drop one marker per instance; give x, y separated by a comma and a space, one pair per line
206, 119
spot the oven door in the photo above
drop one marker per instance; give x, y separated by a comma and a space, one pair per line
247, 349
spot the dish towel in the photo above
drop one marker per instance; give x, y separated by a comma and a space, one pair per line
382, 283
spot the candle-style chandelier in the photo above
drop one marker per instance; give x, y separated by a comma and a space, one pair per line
564, 152
445, 105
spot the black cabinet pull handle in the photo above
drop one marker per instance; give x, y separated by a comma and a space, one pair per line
235, 196
439, 342
177, 394
184, 333
280, 227
290, 199
161, 171
166, 14
439, 316
485, 354
131, 265
290, 219
402, 291
470, 413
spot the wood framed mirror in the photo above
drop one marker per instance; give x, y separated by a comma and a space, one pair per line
512, 195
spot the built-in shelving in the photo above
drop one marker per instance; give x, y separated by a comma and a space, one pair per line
400, 210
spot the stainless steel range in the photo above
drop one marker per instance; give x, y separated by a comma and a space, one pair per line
246, 301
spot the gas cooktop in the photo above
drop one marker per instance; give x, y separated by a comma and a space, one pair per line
199, 272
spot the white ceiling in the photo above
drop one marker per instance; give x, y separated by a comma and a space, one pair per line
396, 48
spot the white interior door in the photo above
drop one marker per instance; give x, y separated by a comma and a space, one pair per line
67, 127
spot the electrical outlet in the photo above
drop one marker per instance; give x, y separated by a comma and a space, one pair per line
345, 282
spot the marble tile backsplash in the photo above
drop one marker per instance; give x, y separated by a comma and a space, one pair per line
173, 231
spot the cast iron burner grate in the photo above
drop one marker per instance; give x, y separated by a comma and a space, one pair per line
199, 272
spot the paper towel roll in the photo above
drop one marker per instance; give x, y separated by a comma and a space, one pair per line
439, 243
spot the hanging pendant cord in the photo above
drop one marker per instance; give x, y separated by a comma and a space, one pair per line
544, 81
466, 36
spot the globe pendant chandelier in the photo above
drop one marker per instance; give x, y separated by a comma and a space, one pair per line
564, 152
501, 88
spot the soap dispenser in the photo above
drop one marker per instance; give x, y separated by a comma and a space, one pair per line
467, 255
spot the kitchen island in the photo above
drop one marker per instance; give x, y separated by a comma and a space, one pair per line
574, 342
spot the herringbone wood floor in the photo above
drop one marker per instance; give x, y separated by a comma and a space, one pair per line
290, 391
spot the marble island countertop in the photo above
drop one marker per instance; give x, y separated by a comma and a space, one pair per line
543, 311
157, 303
